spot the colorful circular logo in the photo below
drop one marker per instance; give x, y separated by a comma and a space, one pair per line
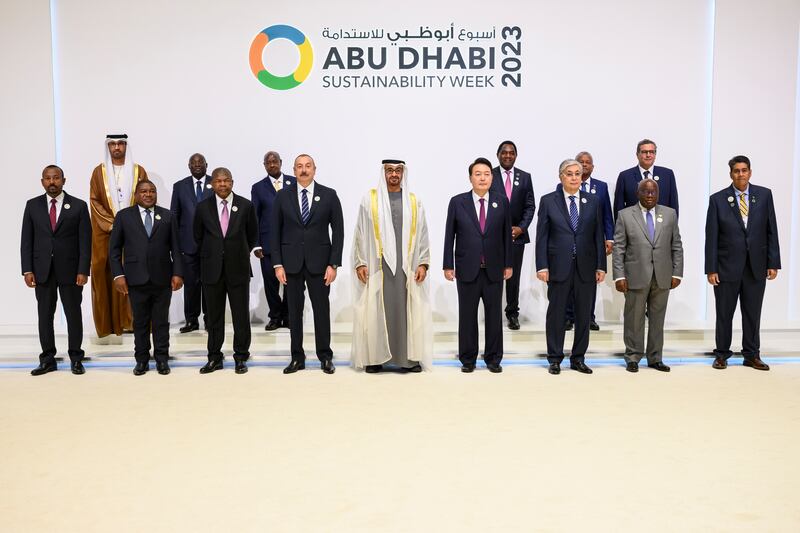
280, 31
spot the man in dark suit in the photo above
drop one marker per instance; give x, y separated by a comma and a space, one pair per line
627, 190
570, 258
263, 196
742, 252
186, 194
599, 188
226, 232
146, 264
479, 227
304, 255
516, 185
56, 249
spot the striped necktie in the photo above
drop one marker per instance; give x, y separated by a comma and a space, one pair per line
743, 205
304, 212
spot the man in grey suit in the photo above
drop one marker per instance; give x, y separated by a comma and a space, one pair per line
648, 263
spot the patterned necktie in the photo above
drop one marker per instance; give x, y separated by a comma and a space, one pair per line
742, 205
225, 218
508, 184
198, 190
646, 174
573, 213
53, 214
651, 227
148, 223
304, 213
278, 184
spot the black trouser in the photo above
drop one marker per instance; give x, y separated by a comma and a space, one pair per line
512, 283
558, 294
278, 307
750, 290
469, 297
571, 305
193, 297
46, 298
150, 306
318, 292
239, 298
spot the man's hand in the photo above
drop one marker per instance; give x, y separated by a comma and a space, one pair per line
177, 283
121, 285
507, 273
280, 273
449, 274
599, 276
675, 282
30, 279
713, 278
609, 247
543, 276
362, 274
81, 280
516, 231
422, 273
330, 275
622, 285
772, 273
259, 253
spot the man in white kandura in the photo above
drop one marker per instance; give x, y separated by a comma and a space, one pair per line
391, 254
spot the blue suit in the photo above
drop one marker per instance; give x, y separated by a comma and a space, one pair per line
599, 188
572, 258
741, 256
263, 196
183, 205
627, 191
523, 207
479, 259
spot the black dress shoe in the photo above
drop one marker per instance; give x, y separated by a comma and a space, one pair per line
555, 368
241, 367
661, 367
720, 363
632, 367
494, 368
327, 366
141, 368
163, 368
593, 326
190, 326
416, 369
581, 367
77, 368
44, 369
272, 325
467, 368
568, 325
211, 366
294, 366
513, 323
284, 323
373, 369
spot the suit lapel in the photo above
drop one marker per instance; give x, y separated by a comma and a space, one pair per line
562, 207
156, 221
658, 222
734, 205
312, 202
583, 210
470, 207
61, 215
639, 218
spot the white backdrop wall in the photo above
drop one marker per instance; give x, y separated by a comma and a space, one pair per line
175, 77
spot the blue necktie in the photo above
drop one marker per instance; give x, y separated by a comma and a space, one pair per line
573, 213
651, 227
304, 213
148, 222
198, 191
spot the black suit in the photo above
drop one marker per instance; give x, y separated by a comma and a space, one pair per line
148, 264
741, 257
572, 259
225, 270
183, 205
56, 258
522, 208
305, 251
479, 259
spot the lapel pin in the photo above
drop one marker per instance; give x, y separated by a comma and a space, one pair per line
234, 209
516, 183
158, 217
494, 204
67, 206
659, 219
752, 199
594, 191
583, 200
655, 178
288, 182
208, 185
730, 198
316, 198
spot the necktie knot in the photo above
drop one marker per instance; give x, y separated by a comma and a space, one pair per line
53, 201
646, 174
224, 202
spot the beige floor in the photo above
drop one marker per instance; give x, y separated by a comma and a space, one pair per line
695, 450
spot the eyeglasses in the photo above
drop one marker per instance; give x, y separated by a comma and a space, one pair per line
647, 152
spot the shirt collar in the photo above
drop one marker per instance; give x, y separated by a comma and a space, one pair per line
567, 195
219, 198
645, 210
503, 171
59, 199
746, 192
476, 198
651, 170
279, 178
143, 209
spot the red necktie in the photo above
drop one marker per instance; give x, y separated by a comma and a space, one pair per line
53, 214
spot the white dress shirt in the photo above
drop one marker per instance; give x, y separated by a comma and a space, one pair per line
229, 198
650, 170
59, 203
310, 195
577, 196
476, 201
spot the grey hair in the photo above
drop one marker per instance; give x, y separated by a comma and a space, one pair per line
567, 163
